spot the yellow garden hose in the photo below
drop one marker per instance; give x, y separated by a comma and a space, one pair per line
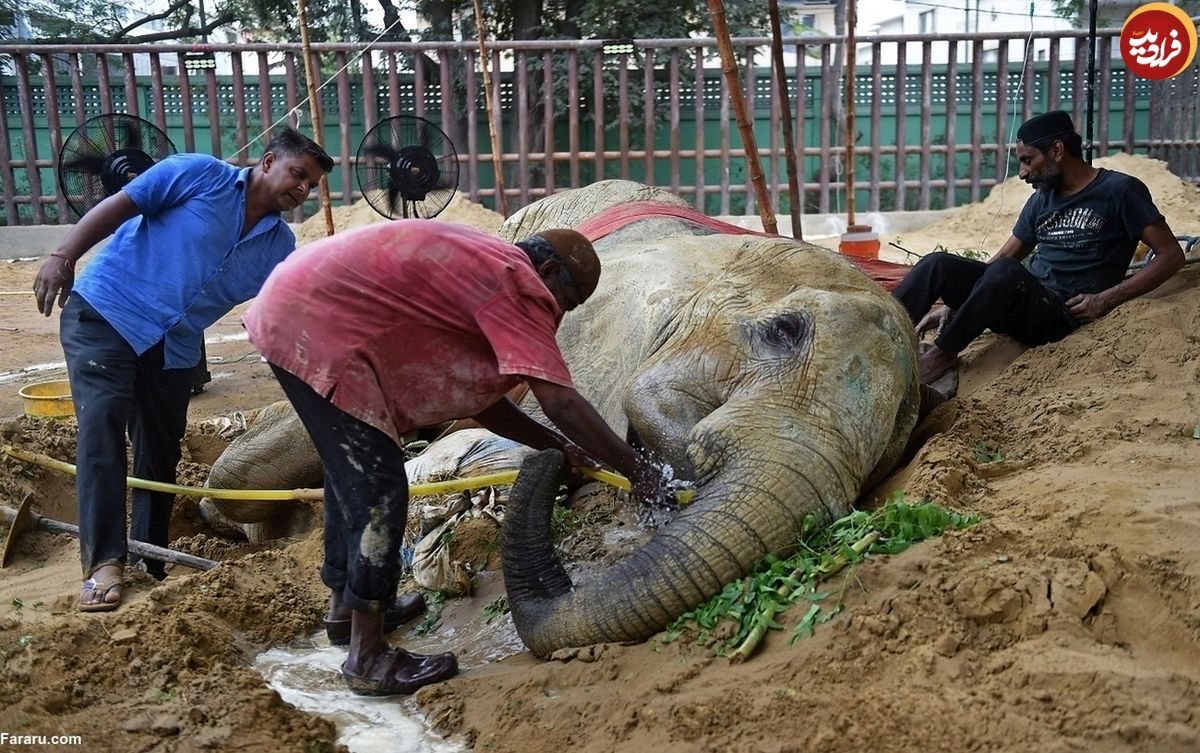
414, 490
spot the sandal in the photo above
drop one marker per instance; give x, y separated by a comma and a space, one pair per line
398, 672
104, 588
406, 607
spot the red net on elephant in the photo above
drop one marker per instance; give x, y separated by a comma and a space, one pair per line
887, 274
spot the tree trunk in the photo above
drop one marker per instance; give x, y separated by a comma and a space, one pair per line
527, 24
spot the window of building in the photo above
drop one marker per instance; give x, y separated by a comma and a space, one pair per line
925, 22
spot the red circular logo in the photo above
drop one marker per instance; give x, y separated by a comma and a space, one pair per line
1158, 41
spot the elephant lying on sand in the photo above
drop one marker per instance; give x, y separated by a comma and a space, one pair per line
771, 372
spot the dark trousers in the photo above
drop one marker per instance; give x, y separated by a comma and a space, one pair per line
1002, 296
366, 498
117, 391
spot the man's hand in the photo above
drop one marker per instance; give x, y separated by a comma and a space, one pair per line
650, 484
937, 318
578, 461
1088, 307
57, 276
54, 279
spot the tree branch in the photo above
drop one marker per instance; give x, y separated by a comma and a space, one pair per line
186, 31
156, 17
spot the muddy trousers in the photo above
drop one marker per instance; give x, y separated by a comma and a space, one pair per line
1002, 296
366, 498
115, 391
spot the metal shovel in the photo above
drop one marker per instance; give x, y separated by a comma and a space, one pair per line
23, 518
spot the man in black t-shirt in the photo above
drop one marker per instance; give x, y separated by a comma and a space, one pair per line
1085, 223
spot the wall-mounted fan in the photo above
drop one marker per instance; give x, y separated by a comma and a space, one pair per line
407, 168
104, 153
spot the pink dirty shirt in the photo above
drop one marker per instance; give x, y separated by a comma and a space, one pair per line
410, 323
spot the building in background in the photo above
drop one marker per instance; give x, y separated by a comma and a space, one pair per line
971, 17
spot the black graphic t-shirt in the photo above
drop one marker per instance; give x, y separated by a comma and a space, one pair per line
1085, 241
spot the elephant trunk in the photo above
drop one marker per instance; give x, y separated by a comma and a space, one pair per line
719, 538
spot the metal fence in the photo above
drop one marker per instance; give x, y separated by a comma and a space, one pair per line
934, 126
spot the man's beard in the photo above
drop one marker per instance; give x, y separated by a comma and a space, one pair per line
1050, 180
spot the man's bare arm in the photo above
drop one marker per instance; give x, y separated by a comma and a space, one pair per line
583, 425
1168, 259
509, 421
1013, 248
57, 274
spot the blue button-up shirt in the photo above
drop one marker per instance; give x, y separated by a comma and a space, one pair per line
183, 263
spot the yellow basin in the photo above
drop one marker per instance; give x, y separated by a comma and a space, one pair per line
48, 399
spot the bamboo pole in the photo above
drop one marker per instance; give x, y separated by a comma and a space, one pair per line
314, 108
789, 145
851, 22
716, 9
497, 166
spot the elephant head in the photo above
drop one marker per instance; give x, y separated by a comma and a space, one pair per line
772, 373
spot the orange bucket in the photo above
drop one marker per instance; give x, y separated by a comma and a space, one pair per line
860, 241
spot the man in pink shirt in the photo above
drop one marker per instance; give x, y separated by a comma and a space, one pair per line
409, 324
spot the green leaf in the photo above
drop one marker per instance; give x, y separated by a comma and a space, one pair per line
754, 602
807, 624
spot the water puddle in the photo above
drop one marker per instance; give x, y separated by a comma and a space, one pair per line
37, 368
309, 676
310, 679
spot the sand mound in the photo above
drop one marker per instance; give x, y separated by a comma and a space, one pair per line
170, 670
461, 210
1069, 620
988, 223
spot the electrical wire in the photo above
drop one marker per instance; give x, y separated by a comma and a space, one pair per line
353, 59
1011, 133
991, 12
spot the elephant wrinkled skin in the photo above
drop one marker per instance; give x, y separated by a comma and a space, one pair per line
772, 373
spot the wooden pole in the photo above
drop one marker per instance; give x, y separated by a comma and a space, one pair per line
1089, 135
25, 518
851, 22
497, 166
789, 145
314, 107
716, 9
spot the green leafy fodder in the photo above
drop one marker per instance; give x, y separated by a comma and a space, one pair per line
495, 609
986, 453
435, 602
734, 621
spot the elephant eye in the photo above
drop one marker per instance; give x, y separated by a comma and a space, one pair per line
785, 331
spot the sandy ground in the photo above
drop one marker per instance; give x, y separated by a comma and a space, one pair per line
1069, 620
983, 227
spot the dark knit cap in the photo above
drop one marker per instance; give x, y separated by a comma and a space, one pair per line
1045, 127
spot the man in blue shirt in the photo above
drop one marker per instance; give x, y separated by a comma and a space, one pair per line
1085, 223
194, 237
